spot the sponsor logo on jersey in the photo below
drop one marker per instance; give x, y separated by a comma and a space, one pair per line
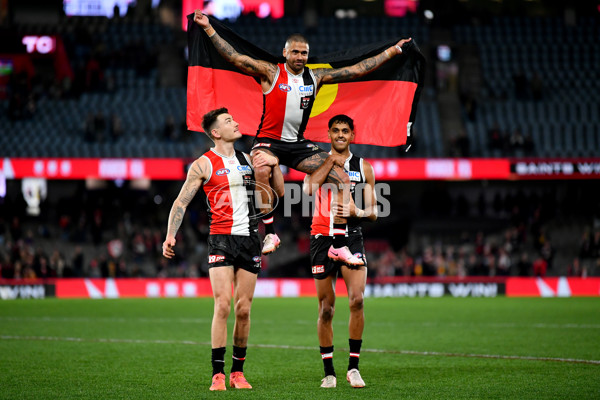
318, 269
213, 259
284, 87
306, 90
222, 171
244, 169
305, 103
262, 145
256, 259
354, 175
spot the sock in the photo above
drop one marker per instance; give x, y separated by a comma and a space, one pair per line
218, 360
327, 357
268, 225
354, 353
339, 236
239, 356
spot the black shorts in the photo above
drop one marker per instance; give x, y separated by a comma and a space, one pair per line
289, 153
322, 265
234, 250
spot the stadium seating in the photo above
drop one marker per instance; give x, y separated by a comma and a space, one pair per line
57, 129
563, 121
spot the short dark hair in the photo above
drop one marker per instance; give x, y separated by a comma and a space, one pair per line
296, 37
342, 119
210, 118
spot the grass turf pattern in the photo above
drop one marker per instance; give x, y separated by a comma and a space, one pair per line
423, 348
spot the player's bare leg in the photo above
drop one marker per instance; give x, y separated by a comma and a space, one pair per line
355, 279
221, 279
264, 193
326, 295
244, 285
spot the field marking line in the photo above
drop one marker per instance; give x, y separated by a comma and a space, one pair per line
298, 322
312, 348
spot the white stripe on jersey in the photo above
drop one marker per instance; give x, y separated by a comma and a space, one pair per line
293, 112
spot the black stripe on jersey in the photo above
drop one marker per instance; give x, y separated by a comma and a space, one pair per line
262, 118
308, 80
355, 165
250, 186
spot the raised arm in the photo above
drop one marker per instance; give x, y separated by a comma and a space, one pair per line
262, 69
313, 181
350, 210
327, 75
196, 175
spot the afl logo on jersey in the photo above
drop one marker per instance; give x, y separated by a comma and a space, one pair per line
222, 171
284, 87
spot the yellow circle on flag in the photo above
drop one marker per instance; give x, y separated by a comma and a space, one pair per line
325, 96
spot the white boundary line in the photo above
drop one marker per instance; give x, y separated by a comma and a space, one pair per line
298, 322
287, 347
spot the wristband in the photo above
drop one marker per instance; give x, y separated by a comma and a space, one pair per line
360, 213
207, 30
399, 49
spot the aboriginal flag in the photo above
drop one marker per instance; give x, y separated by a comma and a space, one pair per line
383, 103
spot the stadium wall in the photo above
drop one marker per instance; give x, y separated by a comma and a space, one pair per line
267, 287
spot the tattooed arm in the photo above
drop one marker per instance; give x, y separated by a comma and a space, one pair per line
314, 180
262, 69
197, 174
327, 75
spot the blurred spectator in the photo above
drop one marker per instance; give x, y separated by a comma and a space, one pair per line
524, 266
540, 266
77, 262
94, 76
496, 138
517, 142
576, 269
116, 128
504, 263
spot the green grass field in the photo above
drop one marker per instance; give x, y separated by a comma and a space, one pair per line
444, 348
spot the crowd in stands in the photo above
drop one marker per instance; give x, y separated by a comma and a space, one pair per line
118, 239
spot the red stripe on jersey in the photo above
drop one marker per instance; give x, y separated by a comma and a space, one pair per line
219, 197
322, 221
271, 124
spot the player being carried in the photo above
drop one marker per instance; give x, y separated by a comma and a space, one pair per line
289, 90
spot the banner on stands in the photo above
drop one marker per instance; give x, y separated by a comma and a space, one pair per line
552, 287
302, 287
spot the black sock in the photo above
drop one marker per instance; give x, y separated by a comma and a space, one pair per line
268, 222
354, 353
218, 360
327, 357
339, 236
239, 356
